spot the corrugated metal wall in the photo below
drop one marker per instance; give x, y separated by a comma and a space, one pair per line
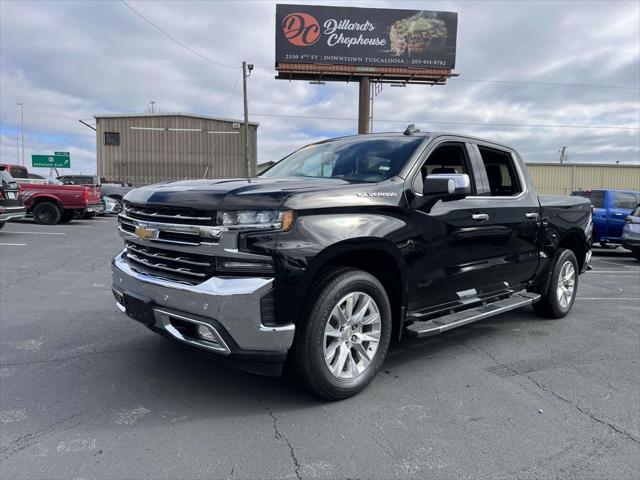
556, 179
147, 156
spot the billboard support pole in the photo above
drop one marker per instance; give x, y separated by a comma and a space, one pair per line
364, 106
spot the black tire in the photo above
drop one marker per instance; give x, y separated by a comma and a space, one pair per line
609, 246
67, 216
636, 254
2, 225
47, 213
88, 215
309, 350
550, 305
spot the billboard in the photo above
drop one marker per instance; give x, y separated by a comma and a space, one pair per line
365, 37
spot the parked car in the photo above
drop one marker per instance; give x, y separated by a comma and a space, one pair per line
11, 206
16, 171
631, 232
344, 245
610, 207
112, 194
53, 202
79, 179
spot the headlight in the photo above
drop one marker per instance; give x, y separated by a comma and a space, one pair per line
256, 220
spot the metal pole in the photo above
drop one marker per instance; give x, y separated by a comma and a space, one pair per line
247, 161
364, 106
22, 129
17, 150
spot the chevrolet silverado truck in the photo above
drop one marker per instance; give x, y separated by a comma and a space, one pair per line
343, 246
51, 202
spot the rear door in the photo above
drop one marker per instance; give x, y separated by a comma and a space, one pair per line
620, 205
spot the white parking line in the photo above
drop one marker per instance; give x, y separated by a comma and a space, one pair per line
617, 264
608, 298
614, 271
13, 244
40, 233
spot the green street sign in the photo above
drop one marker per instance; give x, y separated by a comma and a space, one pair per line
58, 161
62, 154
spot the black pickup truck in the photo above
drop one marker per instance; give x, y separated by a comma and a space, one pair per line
343, 246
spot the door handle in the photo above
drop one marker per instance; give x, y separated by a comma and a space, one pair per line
480, 217
532, 215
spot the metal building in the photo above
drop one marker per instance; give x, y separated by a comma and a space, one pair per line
145, 148
562, 179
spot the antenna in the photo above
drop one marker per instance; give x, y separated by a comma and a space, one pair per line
411, 129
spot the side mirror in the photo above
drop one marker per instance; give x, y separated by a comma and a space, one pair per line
447, 186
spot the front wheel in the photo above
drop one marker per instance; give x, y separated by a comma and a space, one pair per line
563, 286
343, 341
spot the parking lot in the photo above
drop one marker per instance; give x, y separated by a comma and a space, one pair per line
88, 393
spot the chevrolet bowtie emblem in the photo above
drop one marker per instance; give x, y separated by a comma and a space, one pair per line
146, 233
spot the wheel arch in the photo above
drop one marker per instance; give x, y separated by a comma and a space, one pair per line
36, 200
381, 258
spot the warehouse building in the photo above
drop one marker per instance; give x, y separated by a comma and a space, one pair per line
146, 148
564, 178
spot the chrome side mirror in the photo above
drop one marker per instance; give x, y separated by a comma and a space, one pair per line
447, 186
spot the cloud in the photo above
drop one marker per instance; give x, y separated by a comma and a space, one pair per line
68, 60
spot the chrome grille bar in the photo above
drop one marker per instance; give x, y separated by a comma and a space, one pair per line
160, 256
165, 267
179, 216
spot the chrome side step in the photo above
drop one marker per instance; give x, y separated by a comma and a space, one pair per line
458, 319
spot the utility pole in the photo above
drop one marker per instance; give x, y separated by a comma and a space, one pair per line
17, 150
152, 103
246, 72
22, 128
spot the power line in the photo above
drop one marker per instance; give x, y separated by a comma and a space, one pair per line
233, 91
175, 39
309, 117
545, 84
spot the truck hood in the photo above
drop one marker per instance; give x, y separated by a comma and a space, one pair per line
266, 193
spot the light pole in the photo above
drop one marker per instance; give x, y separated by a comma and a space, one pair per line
246, 67
22, 128
17, 150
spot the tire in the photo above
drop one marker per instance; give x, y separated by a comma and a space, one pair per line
635, 253
609, 245
560, 296
2, 225
88, 215
47, 213
346, 369
67, 216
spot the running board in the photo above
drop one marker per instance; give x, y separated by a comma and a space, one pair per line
458, 319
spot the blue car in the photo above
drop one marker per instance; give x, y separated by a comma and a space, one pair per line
610, 207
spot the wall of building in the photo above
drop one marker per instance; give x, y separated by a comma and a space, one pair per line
562, 179
159, 147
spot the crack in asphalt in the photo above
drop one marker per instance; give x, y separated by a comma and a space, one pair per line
544, 388
280, 436
71, 357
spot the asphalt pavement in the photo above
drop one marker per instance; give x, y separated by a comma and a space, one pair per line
87, 393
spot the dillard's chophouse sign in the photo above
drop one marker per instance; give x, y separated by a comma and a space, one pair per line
365, 36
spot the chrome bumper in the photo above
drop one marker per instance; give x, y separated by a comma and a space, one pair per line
96, 207
232, 303
12, 213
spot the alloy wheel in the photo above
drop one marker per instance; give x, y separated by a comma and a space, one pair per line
352, 335
566, 284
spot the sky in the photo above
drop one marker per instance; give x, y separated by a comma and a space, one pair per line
575, 64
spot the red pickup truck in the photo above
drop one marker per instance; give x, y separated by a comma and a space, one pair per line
53, 202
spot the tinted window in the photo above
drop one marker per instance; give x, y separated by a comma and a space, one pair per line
19, 172
358, 158
112, 138
595, 197
625, 200
501, 172
636, 212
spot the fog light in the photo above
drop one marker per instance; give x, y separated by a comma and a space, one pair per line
206, 333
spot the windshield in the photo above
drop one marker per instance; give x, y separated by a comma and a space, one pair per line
362, 159
6, 177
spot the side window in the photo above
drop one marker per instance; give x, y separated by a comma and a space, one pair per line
447, 158
625, 200
112, 138
596, 198
501, 172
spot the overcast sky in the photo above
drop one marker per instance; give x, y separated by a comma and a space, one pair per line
69, 60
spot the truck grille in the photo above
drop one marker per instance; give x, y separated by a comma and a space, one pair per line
184, 216
181, 266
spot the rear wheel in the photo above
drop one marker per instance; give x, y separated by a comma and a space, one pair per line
563, 286
343, 341
47, 213
88, 215
2, 225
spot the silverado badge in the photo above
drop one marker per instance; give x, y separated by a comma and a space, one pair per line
146, 233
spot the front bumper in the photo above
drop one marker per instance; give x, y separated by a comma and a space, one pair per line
12, 213
227, 308
631, 244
